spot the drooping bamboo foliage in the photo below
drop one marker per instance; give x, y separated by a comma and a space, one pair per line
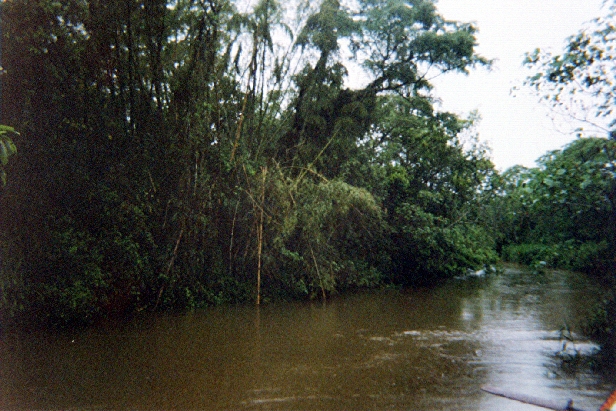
175, 153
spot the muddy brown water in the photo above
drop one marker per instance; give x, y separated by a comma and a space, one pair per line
383, 350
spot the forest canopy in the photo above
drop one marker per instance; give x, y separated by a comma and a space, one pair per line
193, 152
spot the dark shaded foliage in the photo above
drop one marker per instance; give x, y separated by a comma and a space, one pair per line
171, 153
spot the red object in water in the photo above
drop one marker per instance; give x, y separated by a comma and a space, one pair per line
610, 403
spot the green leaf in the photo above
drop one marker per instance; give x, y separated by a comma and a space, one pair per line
6, 129
4, 154
12, 148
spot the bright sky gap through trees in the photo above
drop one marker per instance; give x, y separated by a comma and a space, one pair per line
515, 125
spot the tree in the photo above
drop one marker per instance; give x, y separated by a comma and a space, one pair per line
79, 209
580, 83
566, 203
432, 192
402, 44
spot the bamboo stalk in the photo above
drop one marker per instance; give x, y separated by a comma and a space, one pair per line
173, 256
316, 267
238, 133
260, 237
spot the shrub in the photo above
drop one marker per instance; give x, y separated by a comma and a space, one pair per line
570, 255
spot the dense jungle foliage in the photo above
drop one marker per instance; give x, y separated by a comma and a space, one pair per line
562, 213
181, 153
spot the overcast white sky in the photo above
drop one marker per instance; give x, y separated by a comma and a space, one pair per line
518, 129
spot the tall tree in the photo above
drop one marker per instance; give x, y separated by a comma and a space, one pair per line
580, 83
433, 187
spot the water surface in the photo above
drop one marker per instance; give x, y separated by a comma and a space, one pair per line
420, 350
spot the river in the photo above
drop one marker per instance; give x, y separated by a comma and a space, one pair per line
428, 349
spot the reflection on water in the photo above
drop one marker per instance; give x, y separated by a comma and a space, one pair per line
421, 350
